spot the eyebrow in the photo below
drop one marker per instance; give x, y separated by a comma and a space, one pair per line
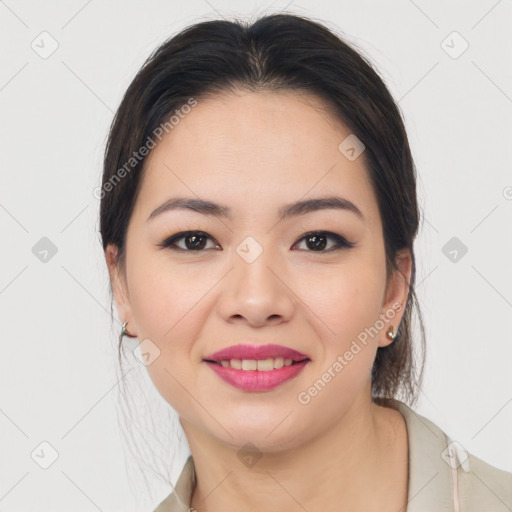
290, 210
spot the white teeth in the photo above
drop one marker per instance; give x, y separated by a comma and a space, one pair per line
249, 364
263, 365
236, 364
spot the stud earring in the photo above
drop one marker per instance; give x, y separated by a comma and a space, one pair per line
390, 333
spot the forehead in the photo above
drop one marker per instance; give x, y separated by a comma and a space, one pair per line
251, 148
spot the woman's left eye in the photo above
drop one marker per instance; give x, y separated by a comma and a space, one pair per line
195, 241
317, 240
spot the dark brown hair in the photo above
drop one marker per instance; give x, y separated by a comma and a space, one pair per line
277, 52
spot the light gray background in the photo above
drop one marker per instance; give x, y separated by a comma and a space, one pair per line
57, 375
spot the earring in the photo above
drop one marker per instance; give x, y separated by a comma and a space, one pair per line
390, 333
124, 332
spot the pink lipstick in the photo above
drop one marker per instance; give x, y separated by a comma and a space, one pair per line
257, 368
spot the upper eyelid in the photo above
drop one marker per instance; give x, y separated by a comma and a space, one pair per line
171, 240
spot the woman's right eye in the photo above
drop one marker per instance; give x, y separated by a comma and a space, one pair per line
193, 241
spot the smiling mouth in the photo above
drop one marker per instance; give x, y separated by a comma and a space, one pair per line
262, 365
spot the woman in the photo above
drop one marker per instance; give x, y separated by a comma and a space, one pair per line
258, 215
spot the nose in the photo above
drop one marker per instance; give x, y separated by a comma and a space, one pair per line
256, 292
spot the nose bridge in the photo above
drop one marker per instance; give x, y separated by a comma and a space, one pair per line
253, 264
254, 288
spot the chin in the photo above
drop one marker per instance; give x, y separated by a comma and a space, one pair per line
258, 442
265, 436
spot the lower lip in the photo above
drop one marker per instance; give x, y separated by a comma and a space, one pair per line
254, 380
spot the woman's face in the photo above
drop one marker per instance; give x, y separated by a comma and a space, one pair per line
252, 276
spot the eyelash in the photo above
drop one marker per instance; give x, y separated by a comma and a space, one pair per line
341, 242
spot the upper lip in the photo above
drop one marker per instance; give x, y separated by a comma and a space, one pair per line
245, 351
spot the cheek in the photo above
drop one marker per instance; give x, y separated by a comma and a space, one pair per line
165, 297
169, 312
344, 302
346, 309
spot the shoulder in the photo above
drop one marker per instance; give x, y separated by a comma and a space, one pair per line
444, 475
484, 487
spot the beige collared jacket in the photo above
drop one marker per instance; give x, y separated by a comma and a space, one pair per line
443, 477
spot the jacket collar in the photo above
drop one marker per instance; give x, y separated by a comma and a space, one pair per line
430, 479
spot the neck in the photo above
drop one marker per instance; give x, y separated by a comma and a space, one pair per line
359, 464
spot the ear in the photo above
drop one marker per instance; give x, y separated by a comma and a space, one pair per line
120, 289
396, 295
